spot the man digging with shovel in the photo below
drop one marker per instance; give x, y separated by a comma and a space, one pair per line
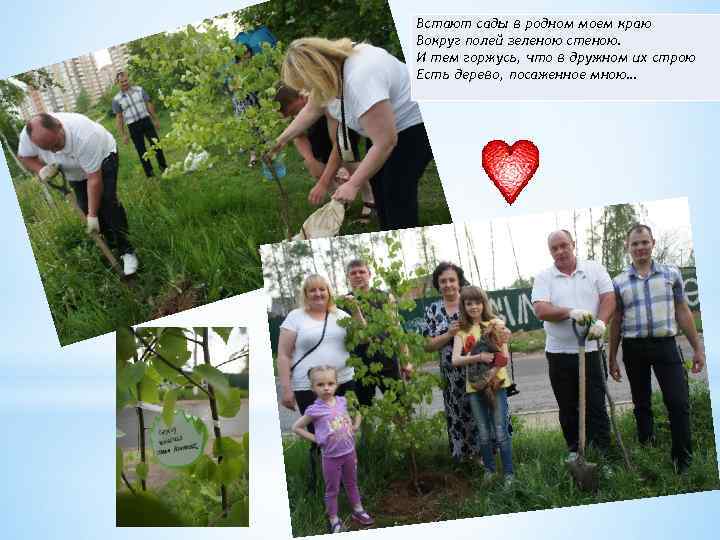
87, 154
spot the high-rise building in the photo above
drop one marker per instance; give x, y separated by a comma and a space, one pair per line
119, 56
107, 76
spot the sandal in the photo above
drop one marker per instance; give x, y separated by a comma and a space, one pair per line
362, 517
335, 527
367, 209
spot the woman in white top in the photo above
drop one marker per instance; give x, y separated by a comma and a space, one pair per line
366, 89
302, 345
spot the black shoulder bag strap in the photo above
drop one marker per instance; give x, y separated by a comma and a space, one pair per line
308, 352
345, 146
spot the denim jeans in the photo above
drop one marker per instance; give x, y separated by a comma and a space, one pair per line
493, 427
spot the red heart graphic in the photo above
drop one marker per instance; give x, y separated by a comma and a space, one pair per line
510, 167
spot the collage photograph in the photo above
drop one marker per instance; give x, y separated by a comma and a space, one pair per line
490, 368
244, 132
377, 268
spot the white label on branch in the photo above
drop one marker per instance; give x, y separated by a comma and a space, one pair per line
182, 443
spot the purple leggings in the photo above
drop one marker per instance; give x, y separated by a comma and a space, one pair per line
335, 468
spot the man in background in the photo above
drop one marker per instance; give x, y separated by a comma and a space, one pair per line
133, 108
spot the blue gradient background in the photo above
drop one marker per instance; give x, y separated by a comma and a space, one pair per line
57, 406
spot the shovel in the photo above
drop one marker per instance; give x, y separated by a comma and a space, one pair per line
99, 241
613, 419
583, 472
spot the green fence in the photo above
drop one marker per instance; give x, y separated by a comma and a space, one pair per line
513, 305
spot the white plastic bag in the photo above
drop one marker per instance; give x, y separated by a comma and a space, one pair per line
324, 222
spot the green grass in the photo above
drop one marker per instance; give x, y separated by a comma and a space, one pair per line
528, 341
542, 479
196, 236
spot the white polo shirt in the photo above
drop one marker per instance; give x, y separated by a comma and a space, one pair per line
87, 144
580, 290
373, 75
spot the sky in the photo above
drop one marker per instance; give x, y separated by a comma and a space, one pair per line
102, 57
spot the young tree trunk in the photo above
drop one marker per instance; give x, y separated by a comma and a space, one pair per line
141, 432
284, 201
216, 419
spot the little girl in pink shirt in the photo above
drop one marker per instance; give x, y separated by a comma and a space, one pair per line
334, 434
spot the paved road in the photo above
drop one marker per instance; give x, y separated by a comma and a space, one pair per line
532, 380
234, 427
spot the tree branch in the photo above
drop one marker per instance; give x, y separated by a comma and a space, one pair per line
170, 364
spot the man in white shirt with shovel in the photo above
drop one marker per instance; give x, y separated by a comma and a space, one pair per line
87, 154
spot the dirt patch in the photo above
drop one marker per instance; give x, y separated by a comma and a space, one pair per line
181, 296
403, 503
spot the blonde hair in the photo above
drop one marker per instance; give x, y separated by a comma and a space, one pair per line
318, 369
315, 279
313, 64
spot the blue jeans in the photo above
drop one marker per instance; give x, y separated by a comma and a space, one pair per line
493, 427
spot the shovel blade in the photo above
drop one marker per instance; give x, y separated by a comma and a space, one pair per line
584, 473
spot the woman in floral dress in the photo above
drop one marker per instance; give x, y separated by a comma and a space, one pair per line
441, 325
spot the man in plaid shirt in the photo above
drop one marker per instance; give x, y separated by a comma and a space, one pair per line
132, 107
650, 307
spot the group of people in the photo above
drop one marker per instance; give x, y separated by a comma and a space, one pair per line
360, 90
641, 310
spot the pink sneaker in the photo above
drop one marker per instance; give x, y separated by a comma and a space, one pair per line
362, 517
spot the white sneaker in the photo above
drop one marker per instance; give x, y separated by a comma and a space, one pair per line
130, 263
572, 456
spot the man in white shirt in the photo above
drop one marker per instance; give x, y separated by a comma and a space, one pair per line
580, 291
87, 154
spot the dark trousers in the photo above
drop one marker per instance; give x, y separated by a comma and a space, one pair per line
660, 354
395, 186
111, 214
563, 370
365, 392
140, 130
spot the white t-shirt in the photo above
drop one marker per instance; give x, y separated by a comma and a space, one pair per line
331, 352
581, 290
87, 144
372, 75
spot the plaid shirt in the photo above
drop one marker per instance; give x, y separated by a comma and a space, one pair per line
648, 304
131, 104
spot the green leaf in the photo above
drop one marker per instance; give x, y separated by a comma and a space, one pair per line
125, 345
141, 470
123, 397
240, 513
246, 443
230, 448
230, 470
205, 468
172, 346
229, 405
149, 391
223, 332
131, 375
169, 406
166, 372
213, 376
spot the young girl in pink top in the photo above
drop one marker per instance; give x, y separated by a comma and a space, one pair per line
334, 434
